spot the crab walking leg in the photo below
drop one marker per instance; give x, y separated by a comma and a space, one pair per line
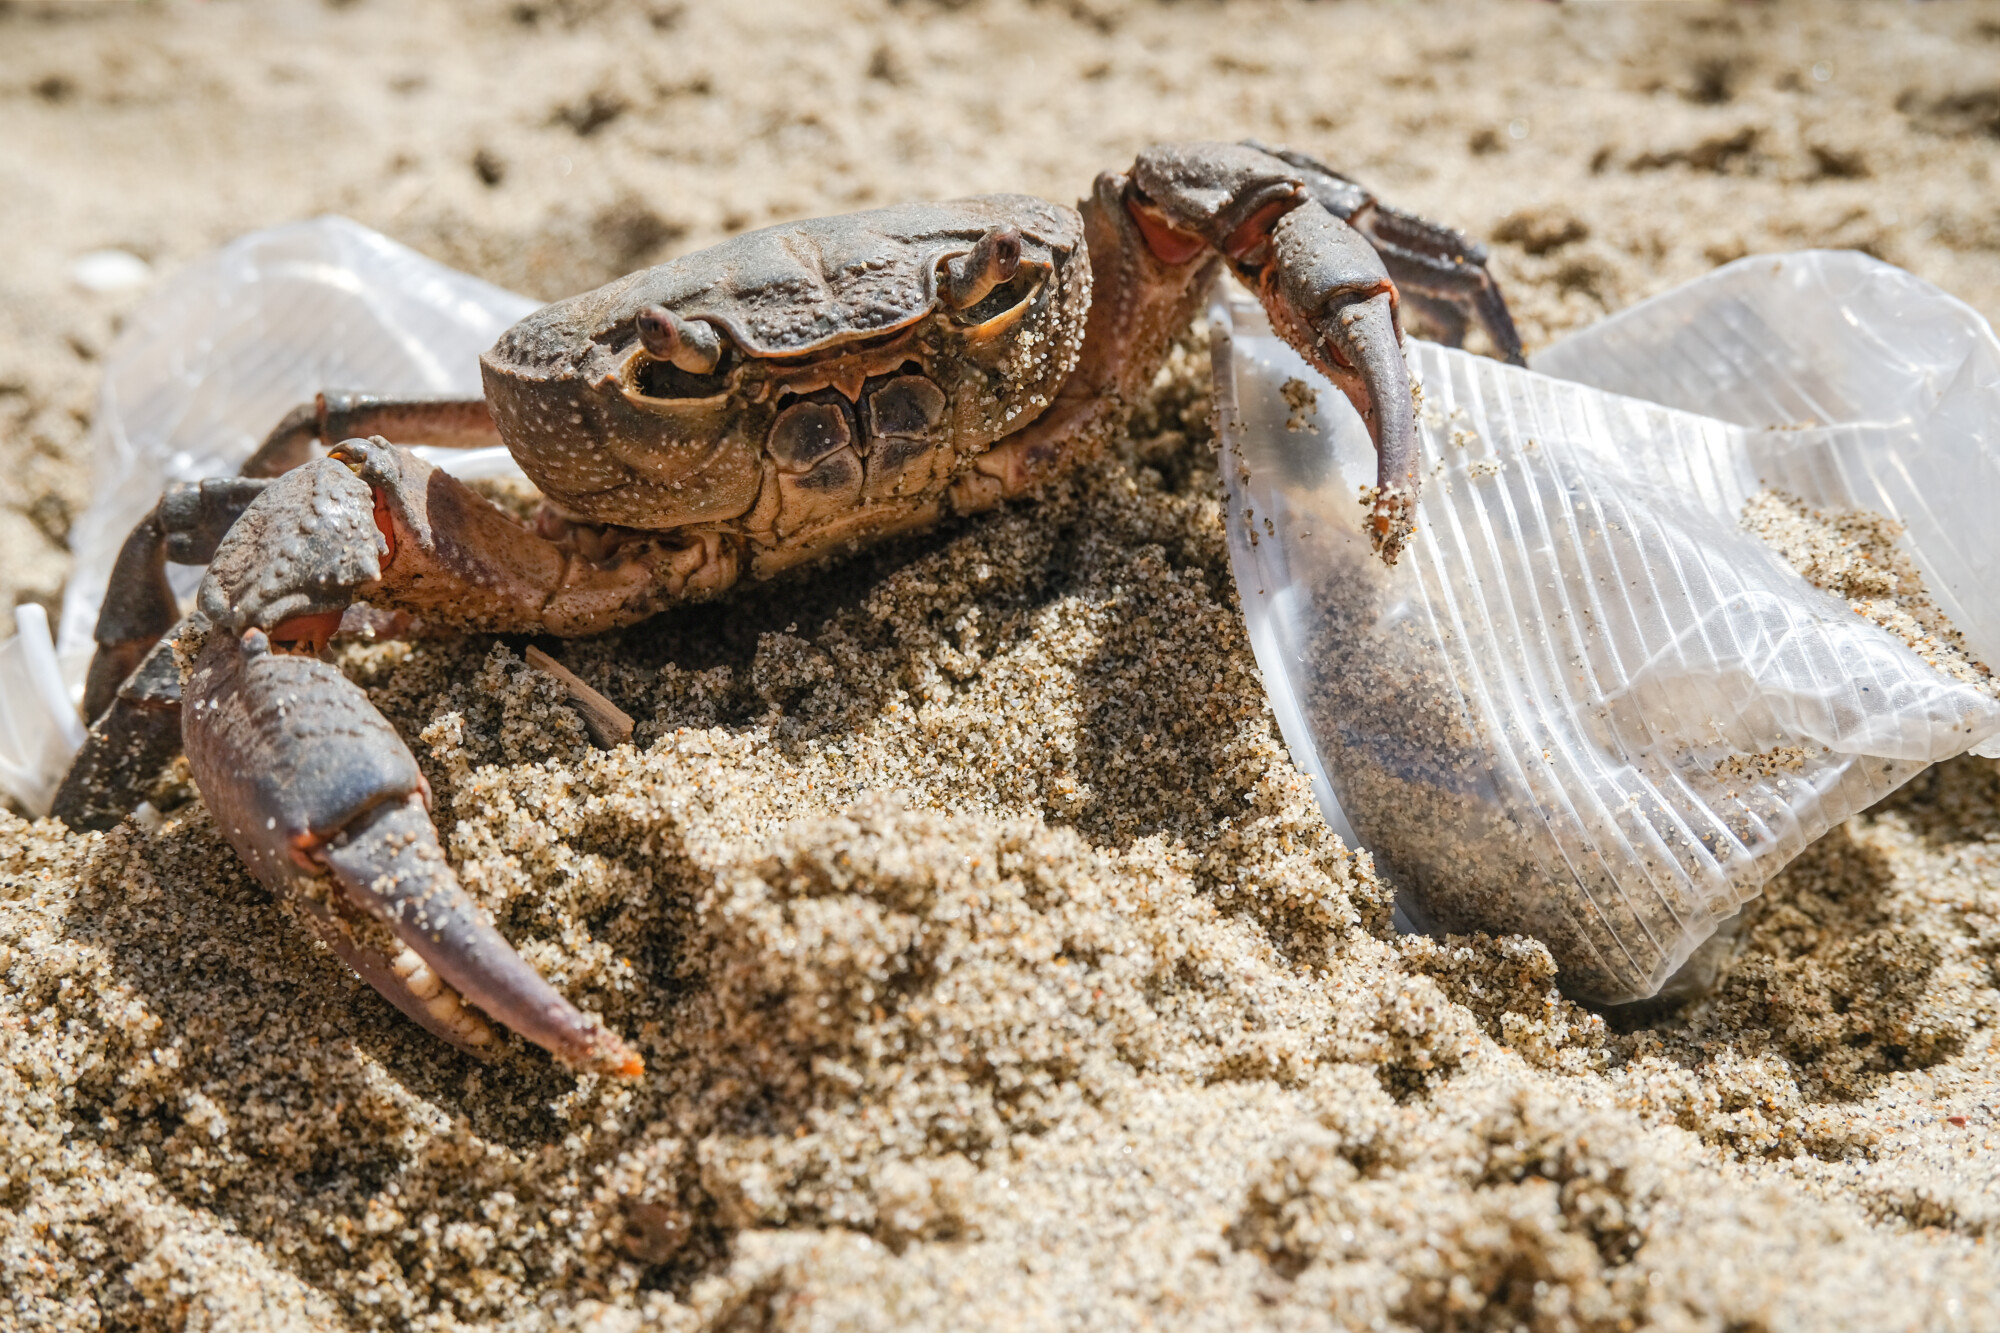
139, 606
133, 738
453, 423
1444, 265
1447, 322
132, 696
320, 796
1156, 238
1440, 266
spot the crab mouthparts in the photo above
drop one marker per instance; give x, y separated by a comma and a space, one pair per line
846, 371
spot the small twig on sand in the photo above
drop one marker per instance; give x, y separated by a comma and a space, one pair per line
608, 724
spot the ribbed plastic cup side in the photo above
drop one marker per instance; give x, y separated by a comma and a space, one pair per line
1860, 386
1586, 705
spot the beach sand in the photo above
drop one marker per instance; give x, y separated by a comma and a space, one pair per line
992, 965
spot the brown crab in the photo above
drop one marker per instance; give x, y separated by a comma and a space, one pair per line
787, 395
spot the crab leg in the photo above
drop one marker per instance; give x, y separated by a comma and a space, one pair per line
1440, 270
133, 737
132, 696
321, 797
138, 608
139, 603
1447, 269
454, 423
1156, 239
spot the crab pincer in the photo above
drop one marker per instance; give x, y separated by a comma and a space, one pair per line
1324, 285
320, 796
1331, 277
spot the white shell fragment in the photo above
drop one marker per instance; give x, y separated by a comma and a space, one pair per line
1587, 705
110, 271
39, 728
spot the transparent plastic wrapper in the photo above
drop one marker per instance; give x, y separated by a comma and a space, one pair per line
213, 361
204, 369
39, 726
1587, 705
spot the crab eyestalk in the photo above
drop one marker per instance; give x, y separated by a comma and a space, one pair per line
690, 344
993, 259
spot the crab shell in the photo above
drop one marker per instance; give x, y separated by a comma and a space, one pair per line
848, 396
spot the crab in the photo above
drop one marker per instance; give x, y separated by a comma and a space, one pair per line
787, 395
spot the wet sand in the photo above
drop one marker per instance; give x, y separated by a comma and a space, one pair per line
991, 963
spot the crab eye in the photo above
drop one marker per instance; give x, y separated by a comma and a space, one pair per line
683, 358
1005, 298
664, 379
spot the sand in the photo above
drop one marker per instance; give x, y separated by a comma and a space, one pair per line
992, 965
1854, 555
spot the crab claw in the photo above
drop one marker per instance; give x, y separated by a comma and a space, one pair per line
320, 796
1362, 338
1331, 280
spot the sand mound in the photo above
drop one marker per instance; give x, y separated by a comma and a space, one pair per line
918, 1058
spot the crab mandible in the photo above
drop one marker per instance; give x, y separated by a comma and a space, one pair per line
788, 394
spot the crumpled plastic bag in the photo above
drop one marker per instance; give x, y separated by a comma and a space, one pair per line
1588, 705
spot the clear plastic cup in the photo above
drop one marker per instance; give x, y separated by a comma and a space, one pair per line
1587, 705
205, 368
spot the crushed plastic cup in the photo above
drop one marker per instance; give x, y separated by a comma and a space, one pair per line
212, 362
205, 368
1588, 705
